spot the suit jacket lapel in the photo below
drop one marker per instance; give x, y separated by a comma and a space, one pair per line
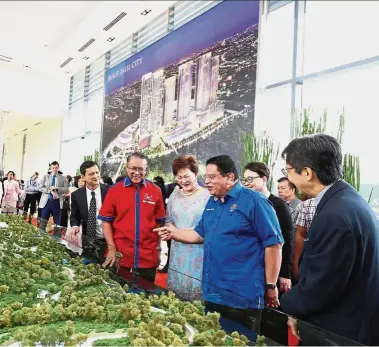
85, 203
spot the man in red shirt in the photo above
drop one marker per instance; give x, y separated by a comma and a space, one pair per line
131, 210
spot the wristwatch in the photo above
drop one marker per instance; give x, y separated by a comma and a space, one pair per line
270, 286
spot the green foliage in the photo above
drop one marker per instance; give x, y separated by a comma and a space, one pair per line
306, 124
93, 157
86, 304
259, 148
4, 338
351, 170
261, 341
124, 341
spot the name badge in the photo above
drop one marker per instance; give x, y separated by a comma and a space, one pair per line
233, 208
149, 202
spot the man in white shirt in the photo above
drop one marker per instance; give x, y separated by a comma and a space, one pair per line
85, 207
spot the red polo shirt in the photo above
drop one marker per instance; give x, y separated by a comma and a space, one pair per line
134, 213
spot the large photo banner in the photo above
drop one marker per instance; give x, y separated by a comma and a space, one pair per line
192, 92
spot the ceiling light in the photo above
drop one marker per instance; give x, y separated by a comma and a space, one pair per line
66, 62
37, 123
85, 58
110, 39
115, 21
5, 57
27, 66
66, 72
145, 12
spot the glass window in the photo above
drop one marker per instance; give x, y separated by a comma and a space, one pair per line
94, 112
273, 113
73, 152
339, 32
355, 91
276, 45
74, 122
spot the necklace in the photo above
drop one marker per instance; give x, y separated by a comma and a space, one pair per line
193, 192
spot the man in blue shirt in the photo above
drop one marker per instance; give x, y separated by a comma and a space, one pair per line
242, 243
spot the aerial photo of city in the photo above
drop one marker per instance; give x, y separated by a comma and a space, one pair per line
198, 105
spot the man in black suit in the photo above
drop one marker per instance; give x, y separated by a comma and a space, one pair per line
339, 268
85, 206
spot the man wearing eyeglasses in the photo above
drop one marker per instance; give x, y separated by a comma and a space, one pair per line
242, 246
287, 191
132, 209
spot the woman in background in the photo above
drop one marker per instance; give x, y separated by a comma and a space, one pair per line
11, 194
184, 209
256, 176
79, 182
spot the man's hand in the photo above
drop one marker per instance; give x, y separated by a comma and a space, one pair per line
111, 258
292, 323
272, 297
71, 232
285, 284
165, 233
52, 188
55, 195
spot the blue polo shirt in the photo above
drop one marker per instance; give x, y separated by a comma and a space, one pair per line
236, 233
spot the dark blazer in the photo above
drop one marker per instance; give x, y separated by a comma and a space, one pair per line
79, 206
285, 221
339, 269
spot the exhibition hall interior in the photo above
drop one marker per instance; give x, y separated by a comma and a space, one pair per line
189, 173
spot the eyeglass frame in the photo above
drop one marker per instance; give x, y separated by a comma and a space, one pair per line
244, 180
286, 169
214, 176
140, 170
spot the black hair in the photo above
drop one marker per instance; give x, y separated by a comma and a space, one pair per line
260, 168
159, 181
54, 163
12, 172
120, 178
107, 180
291, 185
137, 155
86, 165
76, 181
321, 153
225, 165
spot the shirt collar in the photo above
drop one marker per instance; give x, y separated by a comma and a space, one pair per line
128, 182
234, 192
322, 193
97, 190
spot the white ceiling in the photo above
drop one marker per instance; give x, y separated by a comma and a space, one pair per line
42, 35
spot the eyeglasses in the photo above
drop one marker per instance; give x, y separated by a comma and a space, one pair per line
249, 179
137, 169
212, 177
285, 171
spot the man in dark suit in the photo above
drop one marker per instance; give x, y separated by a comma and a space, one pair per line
85, 206
339, 268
